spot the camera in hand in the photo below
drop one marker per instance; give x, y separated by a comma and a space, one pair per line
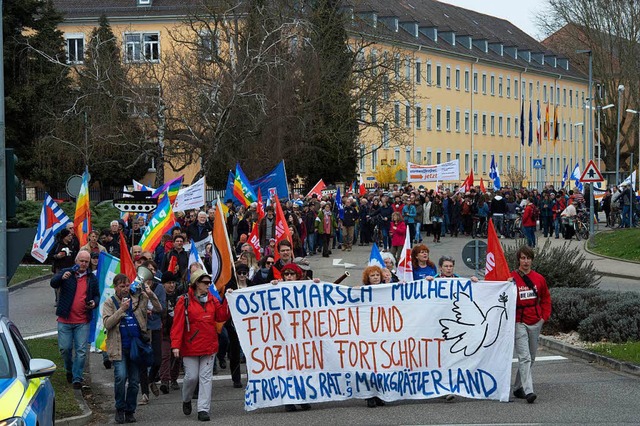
75, 268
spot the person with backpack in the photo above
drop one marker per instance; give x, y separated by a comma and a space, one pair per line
529, 221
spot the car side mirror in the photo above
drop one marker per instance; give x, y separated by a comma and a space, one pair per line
40, 368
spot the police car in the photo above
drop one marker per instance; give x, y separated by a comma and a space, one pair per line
26, 394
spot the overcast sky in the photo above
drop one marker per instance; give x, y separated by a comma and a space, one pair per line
518, 12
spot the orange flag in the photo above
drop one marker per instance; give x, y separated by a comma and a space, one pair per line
282, 228
126, 263
221, 259
482, 188
497, 268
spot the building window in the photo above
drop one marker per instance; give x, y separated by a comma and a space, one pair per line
418, 158
418, 117
396, 111
209, 44
362, 159
484, 163
557, 95
385, 135
484, 123
141, 47
466, 121
418, 72
448, 120
500, 169
428, 157
466, 80
493, 125
500, 86
475, 82
374, 111
508, 126
429, 73
438, 75
570, 97
397, 155
438, 118
449, 156
428, 118
407, 69
493, 85
508, 161
374, 159
457, 121
407, 156
515, 88
75, 48
500, 125
457, 78
530, 91
475, 123
551, 94
516, 130
407, 113
484, 83
524, 90
475, 162
466, 162
396, 66
515, 162
508, 87
146, 101
438, 157
447, 80
544, 93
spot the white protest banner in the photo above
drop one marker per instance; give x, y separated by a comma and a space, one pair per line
200, 245
191, 197
307, 342
449, 171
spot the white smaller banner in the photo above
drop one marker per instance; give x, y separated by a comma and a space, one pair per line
200, 245
449, 171
191, 197
314, 342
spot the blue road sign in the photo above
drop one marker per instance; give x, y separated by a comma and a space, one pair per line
537, 163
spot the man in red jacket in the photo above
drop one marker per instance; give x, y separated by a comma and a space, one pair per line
533, 308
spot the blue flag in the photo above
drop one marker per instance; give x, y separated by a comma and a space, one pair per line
522, 124
575, 175
274, 182
339, 205
494, 174
565, 176
530, 125
375, 258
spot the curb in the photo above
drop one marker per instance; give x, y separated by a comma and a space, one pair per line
29, 282
83, 418
611, 274
624, 367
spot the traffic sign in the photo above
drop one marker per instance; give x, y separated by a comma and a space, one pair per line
537, 163
591, 174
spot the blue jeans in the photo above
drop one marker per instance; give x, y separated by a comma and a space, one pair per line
446, 224
386, 241
127, 383
73, 337
310, 243
498, 223
418, 236
626, 216
558, 226
530, 234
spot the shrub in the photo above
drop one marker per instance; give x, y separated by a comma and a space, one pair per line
28, 214
562, 266
619, 323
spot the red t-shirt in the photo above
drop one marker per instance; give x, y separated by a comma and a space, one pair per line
78, 313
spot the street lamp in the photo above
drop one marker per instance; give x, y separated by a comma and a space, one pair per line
620, 92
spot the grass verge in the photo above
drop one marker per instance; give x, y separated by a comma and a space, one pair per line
66, 404
621, 243
26, 272
629, 352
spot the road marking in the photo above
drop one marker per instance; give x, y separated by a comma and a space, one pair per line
338, 262
37, 336
545, 358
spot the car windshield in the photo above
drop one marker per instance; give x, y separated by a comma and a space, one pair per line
5, 364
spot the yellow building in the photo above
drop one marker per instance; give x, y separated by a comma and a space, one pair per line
469, 75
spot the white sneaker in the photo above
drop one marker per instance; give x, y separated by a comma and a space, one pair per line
144, 400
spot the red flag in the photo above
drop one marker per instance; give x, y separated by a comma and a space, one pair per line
405, 267
362, 190
254, 241
260, 207
173, 265
482, 188
467, 184
126, 263
282, 228
497, 268
317, 189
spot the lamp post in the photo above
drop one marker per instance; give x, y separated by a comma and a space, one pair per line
620, 92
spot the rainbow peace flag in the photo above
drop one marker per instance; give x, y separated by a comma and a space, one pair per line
82, 218
108, 268
242, 188
161, 223
172, 187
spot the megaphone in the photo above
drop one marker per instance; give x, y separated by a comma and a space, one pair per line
143, 274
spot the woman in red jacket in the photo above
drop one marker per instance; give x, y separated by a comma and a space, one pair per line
398, 232
194, 337
529, 222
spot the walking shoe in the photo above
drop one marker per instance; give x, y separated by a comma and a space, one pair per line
186, 408
237, 385
107, 364
175, 385
144, 400
290, 408
119, 417
371, 403
77, 385
379, 402
164, 387
154, 389
69, 377
450, 397
531, 397
129, 418
223, 363
519, 393
305, 407
203, 416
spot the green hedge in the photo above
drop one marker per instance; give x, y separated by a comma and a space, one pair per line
597, 315
28, 214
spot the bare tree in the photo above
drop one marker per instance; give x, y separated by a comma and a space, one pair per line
611, 30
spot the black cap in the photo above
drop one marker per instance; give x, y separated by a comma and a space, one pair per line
168, 277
